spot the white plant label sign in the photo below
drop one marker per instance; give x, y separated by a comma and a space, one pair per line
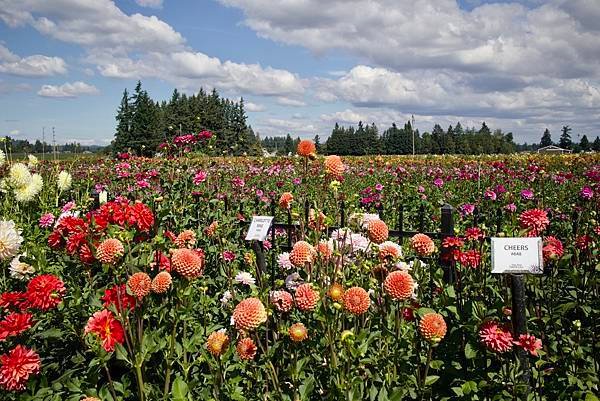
259, 228
517, 255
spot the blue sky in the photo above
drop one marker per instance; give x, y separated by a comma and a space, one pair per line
303, 65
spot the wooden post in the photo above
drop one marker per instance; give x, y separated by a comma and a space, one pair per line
519, 320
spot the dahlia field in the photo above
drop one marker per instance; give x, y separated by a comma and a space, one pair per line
131, 279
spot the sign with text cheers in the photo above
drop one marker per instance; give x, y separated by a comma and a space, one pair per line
259, 228
517, 255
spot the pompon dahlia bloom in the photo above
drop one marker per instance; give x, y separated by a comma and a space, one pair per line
529, 343
187, 262
187, 239
495, 337
45, 292
10, 240
432, 327
140, 284
217, 342
110, 251
377, 231
334, 166
281, 300
107, 328
161, 282
356, 300
399, 285
246, 349
301, 254
306, 148
249, 314
306, 297
298, 332
14, 324
285, 200
389, 250
91, 399
534, 220
336, 292
16, 366
117, 295
553, 248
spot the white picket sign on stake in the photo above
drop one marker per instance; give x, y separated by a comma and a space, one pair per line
517, 255
259, 228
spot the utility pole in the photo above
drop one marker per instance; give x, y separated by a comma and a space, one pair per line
54, 143
412, 128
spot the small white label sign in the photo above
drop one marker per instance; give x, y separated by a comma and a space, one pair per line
517, 255
259, 228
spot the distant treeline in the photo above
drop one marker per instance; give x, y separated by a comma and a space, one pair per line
142, 123
365, 140
19, 146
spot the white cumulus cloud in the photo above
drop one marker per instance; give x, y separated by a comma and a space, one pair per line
68, 90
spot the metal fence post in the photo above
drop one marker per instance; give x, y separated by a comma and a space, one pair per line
519, 320
447, 230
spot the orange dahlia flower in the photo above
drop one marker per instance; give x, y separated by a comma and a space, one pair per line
90, 399
211, 229
110, 251
140, 284
298, 332
217, 342
286, 199
249, 314
187, 239
432, 327
306, 297
377, 231
422, 244
389, 250
399, 285
246, 348
188, 263
324, 250
306, 148
356, 300
301, 253
334, 165
282, 300
161, 282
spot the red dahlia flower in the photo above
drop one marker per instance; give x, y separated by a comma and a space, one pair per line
16, 366
118, 296
107, 328
495, 336
13, 300
534, 220
14, 324
45, 292
529, 343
